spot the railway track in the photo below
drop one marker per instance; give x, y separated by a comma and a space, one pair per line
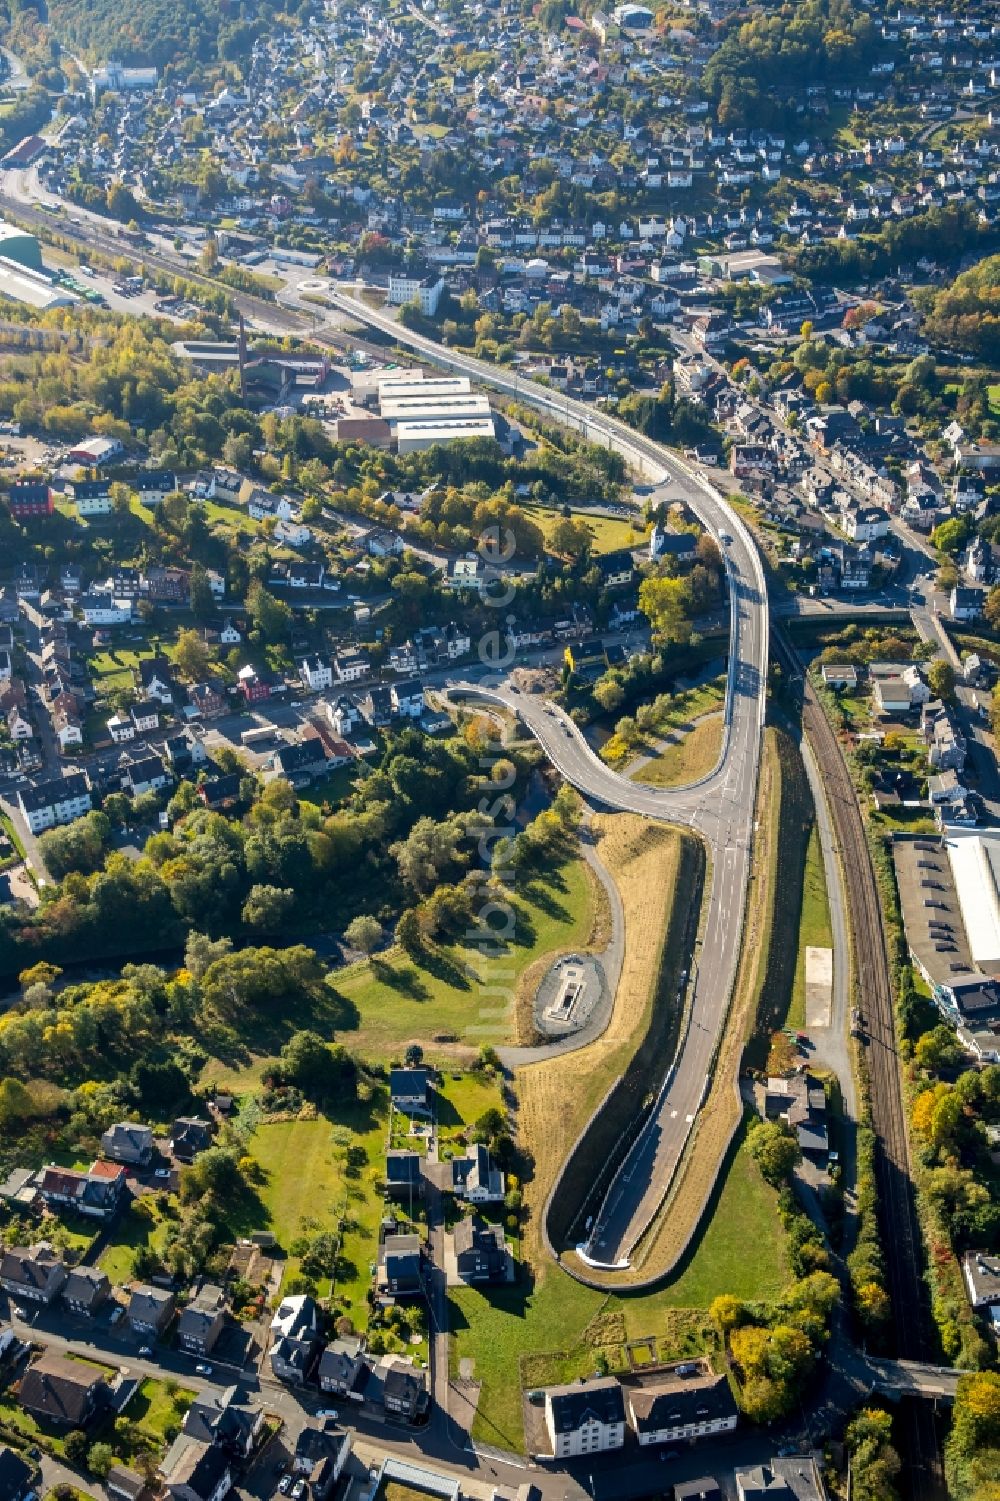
900, 1230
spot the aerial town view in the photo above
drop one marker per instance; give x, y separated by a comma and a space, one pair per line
499, 718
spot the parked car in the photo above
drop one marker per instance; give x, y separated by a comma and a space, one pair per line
285, 1484
203, 1370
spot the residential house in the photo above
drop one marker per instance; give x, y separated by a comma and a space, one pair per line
404, 1392
85, 1290
587, 656
407, 698
981, 1274
400, 1266
466, 573
343, 714
687, 1401
295, 1338
254, 686
585, 1417
62, 1392
208, 699
351, 666
320, 1456
300, 761
946, 747
150, 1309
146, 775
95, 1193
475, 1178
838, 675
200, 1472
124, 1484
316, 674
184, 752
154, 485
156, 680
966, 604
202, 1320
794, 1477
28, 499
617, 569
92, 497
221, 792
59, 801
801, 1103
403, 1176
342, 1365
480, 1251
218, 1415
189, 1135
121, 728
409, 1090
898, 690
376, 706
105, 609
17, 1476
865, 523
32, 1274
145, 716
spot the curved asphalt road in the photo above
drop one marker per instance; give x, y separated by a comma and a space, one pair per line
720, 807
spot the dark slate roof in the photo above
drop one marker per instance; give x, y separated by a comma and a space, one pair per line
676, 1401
15, 1474
575, 1404
60, 1388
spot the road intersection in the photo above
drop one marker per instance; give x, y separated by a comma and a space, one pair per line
720, 807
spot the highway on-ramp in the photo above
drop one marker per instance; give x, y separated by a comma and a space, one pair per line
720, 807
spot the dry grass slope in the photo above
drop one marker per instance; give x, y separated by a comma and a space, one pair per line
557, 1098
674, 1227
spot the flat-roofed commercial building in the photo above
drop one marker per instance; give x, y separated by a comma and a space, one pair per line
433, 408
974, 856
23, 284
413, 436
410, 385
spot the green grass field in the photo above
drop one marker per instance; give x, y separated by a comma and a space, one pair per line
158, 1411
114, 668
334, 787
229, 518
814, 925
130, 1231
557, 1318
459, 993
609, 533
309, 1188
461, 1100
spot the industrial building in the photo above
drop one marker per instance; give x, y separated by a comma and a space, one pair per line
445, 408
422, 412
412, 436
19, 246
974, 857
33, 288
23, 278
950, 899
